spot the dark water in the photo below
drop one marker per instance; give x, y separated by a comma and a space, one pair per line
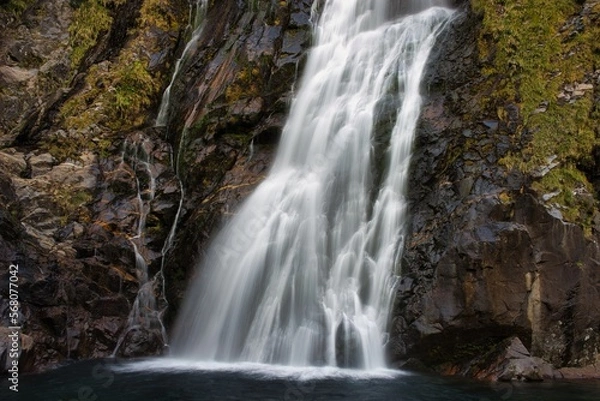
166, 380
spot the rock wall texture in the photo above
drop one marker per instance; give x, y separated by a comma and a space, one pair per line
503, 239
86, 179
501, 257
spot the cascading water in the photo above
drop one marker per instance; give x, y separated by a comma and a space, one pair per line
144, 309
304, 273
145, 313
196, 23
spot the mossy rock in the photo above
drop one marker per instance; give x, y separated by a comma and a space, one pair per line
532, 52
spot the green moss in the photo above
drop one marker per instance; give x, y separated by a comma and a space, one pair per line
119, 92
16, 6
71, 204
89, 21
116, 99
134, 90
157, 13
530, 53
520, 39
246, 84
574, 193
61, 148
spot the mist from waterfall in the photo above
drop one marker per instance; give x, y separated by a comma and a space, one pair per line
304, 273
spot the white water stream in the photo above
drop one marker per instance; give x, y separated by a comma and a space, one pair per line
304, 273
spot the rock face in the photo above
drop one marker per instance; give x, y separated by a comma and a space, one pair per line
91, 191
509, 360
488, 256
229, 110
501, 259
71, 186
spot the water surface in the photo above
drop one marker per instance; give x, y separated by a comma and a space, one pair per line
170, 380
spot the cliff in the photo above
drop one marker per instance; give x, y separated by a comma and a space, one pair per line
503, 238
91, 188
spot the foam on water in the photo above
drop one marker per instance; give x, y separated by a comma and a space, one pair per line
258, 370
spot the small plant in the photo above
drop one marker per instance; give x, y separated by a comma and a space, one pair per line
246, 84
71, 204
133, 91
157, 13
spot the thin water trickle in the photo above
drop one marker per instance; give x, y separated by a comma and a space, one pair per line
145, 312
304, 273
197, 13
196, 20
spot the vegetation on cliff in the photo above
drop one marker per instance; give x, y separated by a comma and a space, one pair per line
119, 92
544, 58
16, 6
90, 20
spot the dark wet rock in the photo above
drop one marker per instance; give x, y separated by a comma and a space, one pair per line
348, 346
413, 365
230, 108
34, 63
141, 343
582, 373
485, 259
109, 306
508, 360
40, 164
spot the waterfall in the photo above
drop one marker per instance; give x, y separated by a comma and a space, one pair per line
304, 273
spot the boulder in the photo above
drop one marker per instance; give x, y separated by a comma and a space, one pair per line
509, 360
